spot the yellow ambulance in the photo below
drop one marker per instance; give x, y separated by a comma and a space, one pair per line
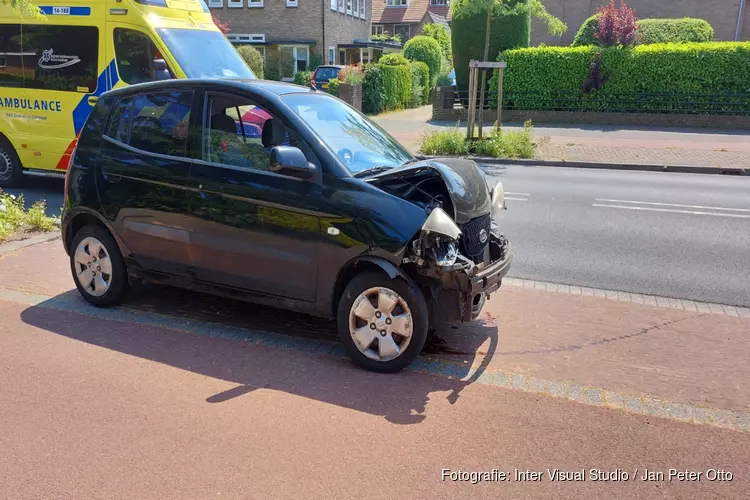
53, 68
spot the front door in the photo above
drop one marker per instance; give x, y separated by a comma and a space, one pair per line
255, 229
143, 177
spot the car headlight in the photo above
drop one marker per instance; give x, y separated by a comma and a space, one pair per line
440, 238
498, 200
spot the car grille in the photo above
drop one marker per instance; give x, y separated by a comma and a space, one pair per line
471, 244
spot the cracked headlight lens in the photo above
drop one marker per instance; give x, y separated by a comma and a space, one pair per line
446, 254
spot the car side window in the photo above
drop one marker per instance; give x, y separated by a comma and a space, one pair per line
119, 120
240, 133
11, 56
138, 59
160, 122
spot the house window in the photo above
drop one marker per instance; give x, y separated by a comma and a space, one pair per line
234, 3
349, 7
291, 3
333, 4
377, 29
364, 55
396, 3
254, 3
299, 55
216, 3
403, 31
363, 10
241, 38
438, 2
331, 55
342, 9
356, 8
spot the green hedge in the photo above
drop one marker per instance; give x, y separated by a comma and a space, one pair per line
420, 84
681, 78
373, 95
396, 81
683, 30
468, 34
587, 32
425, 49
651, 31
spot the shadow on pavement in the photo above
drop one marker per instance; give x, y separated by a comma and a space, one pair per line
400, 398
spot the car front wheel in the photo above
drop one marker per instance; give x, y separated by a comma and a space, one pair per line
382, 322
98, 267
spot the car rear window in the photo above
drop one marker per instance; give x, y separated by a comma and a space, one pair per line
325, 74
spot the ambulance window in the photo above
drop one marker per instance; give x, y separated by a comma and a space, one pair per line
61, 57
11, 67
160, 122
138, 59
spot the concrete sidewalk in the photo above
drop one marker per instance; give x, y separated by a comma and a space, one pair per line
601, 144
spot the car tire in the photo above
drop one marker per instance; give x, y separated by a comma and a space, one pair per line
388, 315
11, 170
98, 268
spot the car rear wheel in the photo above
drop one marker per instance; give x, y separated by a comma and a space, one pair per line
11, 171
382, 322
98, 267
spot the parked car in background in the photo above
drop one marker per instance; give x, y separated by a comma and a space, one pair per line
324, 213
324, 74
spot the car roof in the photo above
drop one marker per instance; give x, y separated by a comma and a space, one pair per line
267, 87
336, 66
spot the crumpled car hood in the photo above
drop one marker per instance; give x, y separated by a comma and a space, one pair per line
464, 181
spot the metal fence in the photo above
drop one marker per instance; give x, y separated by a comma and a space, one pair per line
737, 104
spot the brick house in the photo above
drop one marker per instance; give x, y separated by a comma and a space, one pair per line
405, 18
336, 31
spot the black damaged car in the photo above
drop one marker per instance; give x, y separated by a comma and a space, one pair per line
285, 196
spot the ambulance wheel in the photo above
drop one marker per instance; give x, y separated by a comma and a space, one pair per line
10, 166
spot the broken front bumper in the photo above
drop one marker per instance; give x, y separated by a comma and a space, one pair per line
488, 280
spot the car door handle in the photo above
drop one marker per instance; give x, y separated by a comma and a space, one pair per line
110, 177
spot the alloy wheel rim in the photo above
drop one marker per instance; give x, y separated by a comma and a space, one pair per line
5, 164
93, 266
380, 323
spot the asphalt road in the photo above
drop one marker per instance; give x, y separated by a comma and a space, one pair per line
676, 235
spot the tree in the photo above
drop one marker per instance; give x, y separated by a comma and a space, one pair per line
252, 58
616, 26
441, 36
497, 8
24, 7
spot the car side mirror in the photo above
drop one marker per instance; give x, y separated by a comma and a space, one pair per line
291, 161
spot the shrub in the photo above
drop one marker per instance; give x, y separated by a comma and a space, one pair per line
616, 26
420, 83
445, 142
425, 49
252, 58
683, 30
372, 90
512, 144
443, 80
333, 86
302, 78
507, 31
272, 68
385, 37
393, 59
352, 75
396, 81
587, 31
315, 61
681, 78
14, 218
441, 36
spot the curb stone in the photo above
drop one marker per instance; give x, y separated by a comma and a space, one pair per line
42, 238
685, 169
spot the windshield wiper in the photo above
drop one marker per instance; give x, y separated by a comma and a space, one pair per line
373, 170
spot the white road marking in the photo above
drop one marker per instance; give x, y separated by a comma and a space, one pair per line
517, 194
691, 212
515, 199
674, 205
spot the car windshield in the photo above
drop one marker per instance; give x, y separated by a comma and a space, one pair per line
204, 54
359, 143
